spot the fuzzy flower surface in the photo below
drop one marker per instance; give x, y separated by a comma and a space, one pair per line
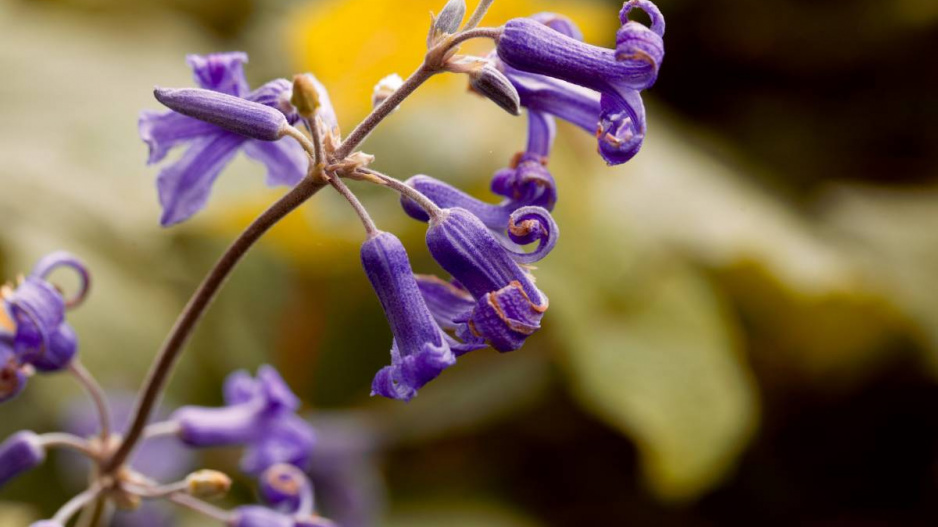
184, 185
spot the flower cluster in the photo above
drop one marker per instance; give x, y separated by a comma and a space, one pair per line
489, 298
541, 64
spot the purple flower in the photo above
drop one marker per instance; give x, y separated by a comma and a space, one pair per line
420, 350
552, 48
260, 414
21, 452
256, 516
507, 305
287, 489
184, 186
33, 330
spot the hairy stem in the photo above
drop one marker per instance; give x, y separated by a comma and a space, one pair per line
62, 440
361, 132
172, 347
201, 507
77, 503
493, 33
404, 189
478, 14
97, 396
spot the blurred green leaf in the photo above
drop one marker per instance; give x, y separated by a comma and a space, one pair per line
668, 373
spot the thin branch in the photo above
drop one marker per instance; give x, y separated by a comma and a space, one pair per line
77, 503
478, 14
88, 381
201, 299
162, 429
406, 190
197, 505
361, 132
61, 440
493, 33
360, 210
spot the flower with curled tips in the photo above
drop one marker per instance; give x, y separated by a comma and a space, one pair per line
553, 49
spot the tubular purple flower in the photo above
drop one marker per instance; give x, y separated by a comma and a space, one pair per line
260, 413
185, 185
545, 47
508, 304
46, 523
21, 452
231, 113
256, 516
560, 23
420, 351
287, 489
42, 338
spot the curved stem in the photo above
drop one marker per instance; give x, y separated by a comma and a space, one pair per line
77, 503
162, 429
201, 507
404, 189
61, 440
478, 14
86, 379
383, 110
342, 188
493, 33
172, 347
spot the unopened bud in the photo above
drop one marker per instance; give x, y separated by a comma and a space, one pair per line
208, 484
305, 96
232, 113
450, 17
386, 88
494, 85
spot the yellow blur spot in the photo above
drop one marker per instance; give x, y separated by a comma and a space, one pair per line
352, 44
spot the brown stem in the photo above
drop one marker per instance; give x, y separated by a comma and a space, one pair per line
169, 354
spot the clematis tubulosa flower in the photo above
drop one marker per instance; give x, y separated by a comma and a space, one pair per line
215, 126
260, 413
553, 48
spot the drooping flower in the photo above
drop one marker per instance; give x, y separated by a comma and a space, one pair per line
33, 330
184, 186
21, 452
507, 306
260, 414
420, 350
287, 489
544, 46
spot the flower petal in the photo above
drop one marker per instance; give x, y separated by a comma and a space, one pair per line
285, 160
223, 72
622, 126
162, 131
184, 186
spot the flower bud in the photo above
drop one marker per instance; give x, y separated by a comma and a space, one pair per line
492, 84
20, 452
231, 113
450, 17
386, 88
208, 484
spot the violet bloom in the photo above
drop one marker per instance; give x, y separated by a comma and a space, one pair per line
554, 50
21, 452
184, 186
260, 413
287, 489
33, 330
506, 306
420, 350
257, 516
